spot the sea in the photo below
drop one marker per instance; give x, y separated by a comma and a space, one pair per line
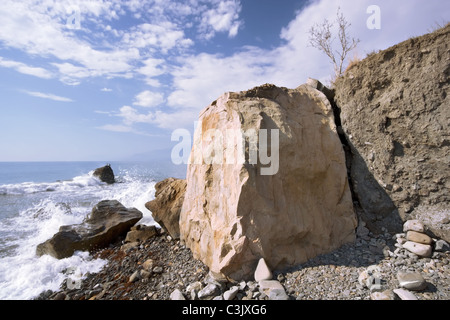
36, 198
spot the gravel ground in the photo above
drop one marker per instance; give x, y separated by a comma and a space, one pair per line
155, 268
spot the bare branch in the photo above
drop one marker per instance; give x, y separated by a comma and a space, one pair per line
321, 37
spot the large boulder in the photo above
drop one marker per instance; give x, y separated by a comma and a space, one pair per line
105, 174
287, 207
396, 117
166, 206
108, 221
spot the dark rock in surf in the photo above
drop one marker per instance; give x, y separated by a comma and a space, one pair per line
108, 221
105, 174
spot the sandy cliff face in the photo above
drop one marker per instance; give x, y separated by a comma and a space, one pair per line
395, 113
288, 199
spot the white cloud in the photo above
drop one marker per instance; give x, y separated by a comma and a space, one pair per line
130, 116
39, 28
123, 129
201, 78
159, 48
25, 69
204, 77
48, 96
106, 90
149, 99
116, 128
223, 17
157, 37
152, 68
96, 48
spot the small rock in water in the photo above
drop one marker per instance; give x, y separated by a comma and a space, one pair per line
105, 174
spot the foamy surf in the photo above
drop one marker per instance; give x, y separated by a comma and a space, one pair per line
87, 180
44, 207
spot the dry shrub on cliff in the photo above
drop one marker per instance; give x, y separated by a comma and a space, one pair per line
321, 37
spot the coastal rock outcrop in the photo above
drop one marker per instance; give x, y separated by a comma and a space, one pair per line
108, 220
283, 195
394, 109
166, 206
105, 174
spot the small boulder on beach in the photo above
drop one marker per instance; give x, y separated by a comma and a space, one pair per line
108, 221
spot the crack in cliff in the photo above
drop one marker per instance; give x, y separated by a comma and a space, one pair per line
345, 144
330, 96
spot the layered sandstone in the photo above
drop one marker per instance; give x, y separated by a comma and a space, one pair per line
286, 201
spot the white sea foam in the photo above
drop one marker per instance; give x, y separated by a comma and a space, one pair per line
87, 180
23, 275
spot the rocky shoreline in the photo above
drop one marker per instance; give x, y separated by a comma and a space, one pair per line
162, 268
373, 158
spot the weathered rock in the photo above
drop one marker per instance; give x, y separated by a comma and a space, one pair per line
394, 112
166, 206
129, 246
140, 233
108, 221
385, 295
316, 84
177, 295
105, 174
362, 278
148, 264
194, 289
209, 291
262, 271
291, 208
418, 237
370, 277
231, 293
136, 276
441, 246
273, 289
422, 250
413, 225
278, 294
405, 294
158, 269
411, 281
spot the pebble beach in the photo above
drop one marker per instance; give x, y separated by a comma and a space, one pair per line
162, 268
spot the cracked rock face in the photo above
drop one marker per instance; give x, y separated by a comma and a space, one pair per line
234, 213
395, 114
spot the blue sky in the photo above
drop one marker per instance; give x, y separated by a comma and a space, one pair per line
107, 80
